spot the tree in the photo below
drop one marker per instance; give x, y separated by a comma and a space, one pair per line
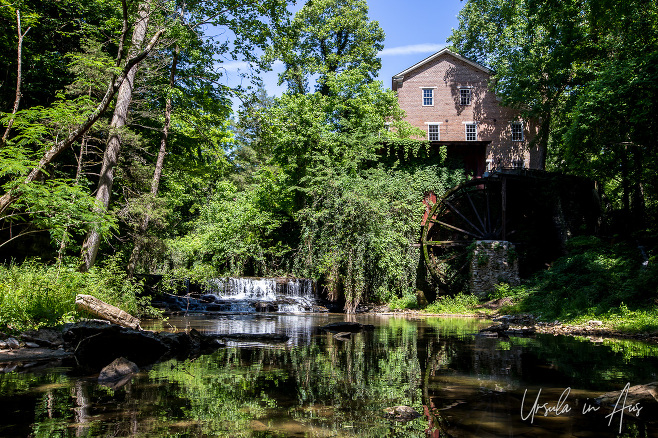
531, 46
585, 69
110, 157
326, 38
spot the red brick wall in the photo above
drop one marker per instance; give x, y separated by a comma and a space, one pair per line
447, 74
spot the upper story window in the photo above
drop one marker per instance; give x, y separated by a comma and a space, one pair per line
517, 131
433, 133
471, 131
428, 96
464, 96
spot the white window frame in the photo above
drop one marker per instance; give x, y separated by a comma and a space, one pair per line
430, 97
438, 131
470, 96
466, 126
520, 125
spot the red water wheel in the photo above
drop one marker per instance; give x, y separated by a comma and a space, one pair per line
536, 211
475, 210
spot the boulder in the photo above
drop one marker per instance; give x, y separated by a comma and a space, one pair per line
342, 336
97, 342
401, 413
12, 343
45, 336
117, 370
646, 395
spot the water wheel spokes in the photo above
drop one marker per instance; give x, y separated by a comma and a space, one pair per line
467, 213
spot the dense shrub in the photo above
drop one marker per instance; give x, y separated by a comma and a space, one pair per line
592, 279
34, 294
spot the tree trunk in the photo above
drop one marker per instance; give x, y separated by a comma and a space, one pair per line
106, 311
110, 158
13, 194
157, 173
19, 70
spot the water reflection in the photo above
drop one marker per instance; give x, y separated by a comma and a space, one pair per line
317, 385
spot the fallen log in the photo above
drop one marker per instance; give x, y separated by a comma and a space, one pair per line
106, 311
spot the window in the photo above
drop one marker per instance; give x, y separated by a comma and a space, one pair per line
428, 97
517, 131
471, 132
464, 96
433, 133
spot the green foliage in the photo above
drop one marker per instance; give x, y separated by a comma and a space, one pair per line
505, 290
585, 70
406, 301
459, 304
33, 294
357, 235
328, 38
595, 278
231, 235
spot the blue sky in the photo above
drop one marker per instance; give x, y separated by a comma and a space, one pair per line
414, 30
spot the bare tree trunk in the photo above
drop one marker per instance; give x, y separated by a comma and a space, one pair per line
13, 194
110, 158
157, 173
19, 70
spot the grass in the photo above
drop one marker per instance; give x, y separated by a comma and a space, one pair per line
460, 304
407, 301
33, 294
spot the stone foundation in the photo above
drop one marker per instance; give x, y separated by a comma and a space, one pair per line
493, 262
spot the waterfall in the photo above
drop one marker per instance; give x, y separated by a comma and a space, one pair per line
245, 294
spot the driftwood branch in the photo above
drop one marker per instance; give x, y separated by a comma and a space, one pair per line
106, 311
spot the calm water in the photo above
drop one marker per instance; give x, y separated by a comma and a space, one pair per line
316, 386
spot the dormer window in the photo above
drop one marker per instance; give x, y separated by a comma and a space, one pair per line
464, 96
428, 97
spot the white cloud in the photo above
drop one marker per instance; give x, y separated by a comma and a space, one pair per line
234, 65
242, 65
410, 50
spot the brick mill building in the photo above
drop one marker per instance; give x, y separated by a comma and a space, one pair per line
448, 97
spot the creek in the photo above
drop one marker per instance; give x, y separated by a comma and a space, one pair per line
316, 385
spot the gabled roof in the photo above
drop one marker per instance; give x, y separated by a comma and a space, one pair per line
430, 58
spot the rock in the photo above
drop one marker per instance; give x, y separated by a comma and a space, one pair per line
96, 343
106, 311
645, 395
345, 326
496, 328
45, 336
31, 345
401, 413
594, 322
3, 345
12, 343
119, 369
342, 336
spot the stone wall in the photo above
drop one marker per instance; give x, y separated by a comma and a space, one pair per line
493, 262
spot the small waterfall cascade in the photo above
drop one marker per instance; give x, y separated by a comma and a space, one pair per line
247, 294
